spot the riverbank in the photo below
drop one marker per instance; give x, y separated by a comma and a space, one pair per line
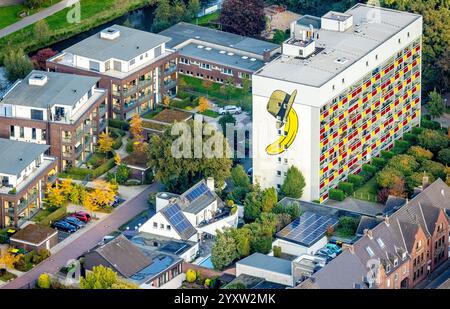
92, 15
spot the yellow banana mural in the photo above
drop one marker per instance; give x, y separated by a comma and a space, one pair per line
280, 106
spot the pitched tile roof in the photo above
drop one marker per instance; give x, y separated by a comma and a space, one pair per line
34, 234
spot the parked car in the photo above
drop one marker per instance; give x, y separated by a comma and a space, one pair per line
232, 109
75, 222
328, 252
64, 226
324, 256
116, 202
82, 216
335, 248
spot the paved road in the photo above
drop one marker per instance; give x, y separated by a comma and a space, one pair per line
29, 20
438, 277
88, 240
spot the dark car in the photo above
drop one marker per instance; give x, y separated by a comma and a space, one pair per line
116, 202
64, 226
82, 216
75, 222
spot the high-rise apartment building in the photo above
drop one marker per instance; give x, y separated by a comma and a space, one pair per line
346, 86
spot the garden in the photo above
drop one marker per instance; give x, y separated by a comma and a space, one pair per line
422, 155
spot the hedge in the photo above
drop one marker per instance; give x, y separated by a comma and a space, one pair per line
119, 124
366, 175
346, 187
54, 216
337, 195
386, 154
103, 168
379, 163
117, 143
356, 180
78, 173
369, 168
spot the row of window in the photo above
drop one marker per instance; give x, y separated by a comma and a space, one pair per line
167, 227
22, 133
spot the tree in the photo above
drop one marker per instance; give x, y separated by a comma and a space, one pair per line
55, 196
227, 119
17, 64
207, 84
239, 177
383, 195
291, 209
416, 180
444, 156
137, 132
435, 168
122, 174
269, 199
39, 60
244, 17
162, 15
420, 153
66, 187
105, 143
44, 281
293, 184
191, 275
252, 205
398, 188
224, 251
262, 237
279, 37
7, 260
242, 238
432, 140
41, 29
117, 159
203, 104
166, 101
179, 173
387, 177
228, 87
101, 277
406, 164
193, 8
436, 105
102, 196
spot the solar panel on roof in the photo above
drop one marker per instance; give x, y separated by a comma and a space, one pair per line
197, 192
307, 229
177, 219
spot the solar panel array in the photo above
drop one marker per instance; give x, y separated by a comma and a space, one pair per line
178, 220
307, 229
197, 192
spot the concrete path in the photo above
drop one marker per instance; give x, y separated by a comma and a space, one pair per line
86, 241
29, 20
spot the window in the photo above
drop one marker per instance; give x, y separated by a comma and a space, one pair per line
370, 251
285, 161
228, 71
376, 57
168, 227
22, 132
94, 66
155, 225
33, 133
380, 243
43, 135
388, 283
278, 173
161, 226
37, 114
158, 51
133, 61
395, 262
205, 66
12, 131
343, 80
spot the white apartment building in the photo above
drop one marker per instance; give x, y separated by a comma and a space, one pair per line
346, 86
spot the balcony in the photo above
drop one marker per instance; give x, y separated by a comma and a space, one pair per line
170, 84
52, 178
78, 151
145, 83
129, 91
144, 98
102, 110
171, 69
26, 202
67, 139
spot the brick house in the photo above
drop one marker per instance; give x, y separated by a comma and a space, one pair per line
216, 55
399, 252
135, 66
35, 237
65, 111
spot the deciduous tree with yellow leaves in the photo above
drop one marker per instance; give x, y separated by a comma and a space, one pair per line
137, 132
105, 143
55, 196
102, 195
7, 260
203, 104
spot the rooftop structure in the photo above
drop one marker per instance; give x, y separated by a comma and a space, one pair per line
17, 156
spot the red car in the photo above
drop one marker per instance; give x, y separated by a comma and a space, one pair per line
82, 216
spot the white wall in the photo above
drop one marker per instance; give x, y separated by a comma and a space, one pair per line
147, 227
263, 273
296, 249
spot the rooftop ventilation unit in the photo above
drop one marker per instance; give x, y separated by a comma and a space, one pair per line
208, 48
252, 59
110, 34
230, 54
341, 60
244, 57
222, 52
38, 79
200, 46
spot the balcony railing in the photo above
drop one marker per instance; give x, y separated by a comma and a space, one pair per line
26, 202
144, 98
145, 83
170, 84
129, 91
67, 139
52, 178
102, 110
170, 70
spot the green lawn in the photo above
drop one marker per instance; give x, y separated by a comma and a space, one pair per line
92, 14
5, 276
10, 14
368, 192
210, 113
206, 19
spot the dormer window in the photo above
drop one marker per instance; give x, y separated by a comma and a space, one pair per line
395, 262
370, 251
388, 268
380, 243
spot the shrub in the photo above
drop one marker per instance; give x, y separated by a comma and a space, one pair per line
44, 281
277, 251
129, 146
387, 154
119, 124
432, 140
379, 163
346, 187
369, 168
117, 143
388, 177
191, 275
13, 191
337, 195
102, 169
428, 124
444, 156
420, 153
416, 130
406, 164
365, 175
356, 180
435, 168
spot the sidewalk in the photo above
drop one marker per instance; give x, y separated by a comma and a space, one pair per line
29, 20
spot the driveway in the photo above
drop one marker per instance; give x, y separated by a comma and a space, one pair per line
88, 240
29, 20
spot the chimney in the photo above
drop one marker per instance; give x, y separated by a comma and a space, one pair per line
368, 233
266, 55
425, 182
210, 183
386, 220
349, 247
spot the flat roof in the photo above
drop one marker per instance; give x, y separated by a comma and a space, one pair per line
307, 229
16, 156
60, 89
34, 233
316, 71
267, 262
221, 57
182, 32
130, 44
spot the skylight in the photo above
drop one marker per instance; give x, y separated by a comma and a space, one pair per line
370, 251
381, 243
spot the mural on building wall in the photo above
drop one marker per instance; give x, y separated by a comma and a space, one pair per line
280, 106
